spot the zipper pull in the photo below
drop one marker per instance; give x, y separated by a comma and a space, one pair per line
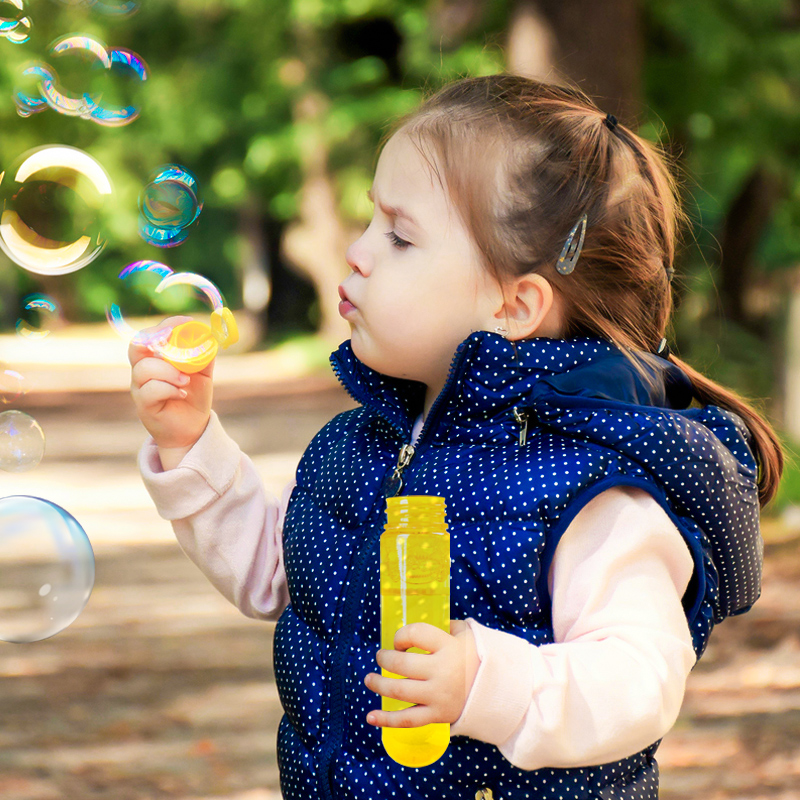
394, 482
522, 420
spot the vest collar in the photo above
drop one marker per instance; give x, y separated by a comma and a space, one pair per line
490, 375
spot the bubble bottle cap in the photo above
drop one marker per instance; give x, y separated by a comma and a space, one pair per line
193, 345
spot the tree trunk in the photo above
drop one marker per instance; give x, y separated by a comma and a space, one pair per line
316, 242
599, 46
743, 227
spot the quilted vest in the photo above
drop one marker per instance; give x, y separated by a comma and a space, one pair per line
520, 438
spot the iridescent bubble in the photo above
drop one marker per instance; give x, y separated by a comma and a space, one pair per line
159, 340
21, 442
47, 569
124, 62
114, 313
27, 93
53, 92
168, 205
14, 25
12, 385
11, 12
43, 311
50, 203
202, 285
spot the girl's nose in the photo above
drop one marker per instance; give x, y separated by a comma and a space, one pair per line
357, 257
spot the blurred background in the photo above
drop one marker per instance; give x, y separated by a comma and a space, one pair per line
160, 688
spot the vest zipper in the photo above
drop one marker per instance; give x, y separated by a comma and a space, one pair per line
522, 420
350, 609
394, 483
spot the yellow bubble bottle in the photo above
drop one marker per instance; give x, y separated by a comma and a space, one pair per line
415, 587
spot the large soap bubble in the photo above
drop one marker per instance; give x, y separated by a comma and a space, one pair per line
168, 205
46, 569
50, 204
21, 441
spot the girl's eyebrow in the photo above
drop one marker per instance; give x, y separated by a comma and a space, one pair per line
393, 211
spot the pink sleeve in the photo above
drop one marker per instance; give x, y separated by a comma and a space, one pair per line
613, 681
223, 519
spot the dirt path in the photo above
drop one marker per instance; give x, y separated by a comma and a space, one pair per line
161, 689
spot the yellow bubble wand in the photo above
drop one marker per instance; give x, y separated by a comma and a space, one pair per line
193, 345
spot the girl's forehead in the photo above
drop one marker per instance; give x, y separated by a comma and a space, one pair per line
405, 174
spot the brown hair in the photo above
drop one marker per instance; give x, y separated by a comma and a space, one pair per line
549, 157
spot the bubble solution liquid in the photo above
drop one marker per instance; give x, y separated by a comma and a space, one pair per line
415, 587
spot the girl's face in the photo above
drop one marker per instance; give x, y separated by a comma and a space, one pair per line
417, 289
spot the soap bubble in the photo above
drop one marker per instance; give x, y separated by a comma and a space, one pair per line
158, 340
43, 311
123, 62
27, 93
40, 85
203, 286
46, 569
50, 203
21, 442
86, 48
11, 11
168, 205
12, 385
14, 25
134, 270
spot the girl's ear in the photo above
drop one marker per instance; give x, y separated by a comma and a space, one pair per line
529, 307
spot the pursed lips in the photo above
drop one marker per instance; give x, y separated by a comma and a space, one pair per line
346, 306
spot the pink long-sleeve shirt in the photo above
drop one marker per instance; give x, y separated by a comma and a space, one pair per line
610, 685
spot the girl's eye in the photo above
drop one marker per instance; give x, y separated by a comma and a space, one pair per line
400, 244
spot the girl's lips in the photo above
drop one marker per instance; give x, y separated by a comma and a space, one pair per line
346, 308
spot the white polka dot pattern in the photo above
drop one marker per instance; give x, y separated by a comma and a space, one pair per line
592, 424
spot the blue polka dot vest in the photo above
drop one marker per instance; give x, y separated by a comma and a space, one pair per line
521, 437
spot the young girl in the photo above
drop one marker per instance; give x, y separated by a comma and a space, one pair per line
508, 304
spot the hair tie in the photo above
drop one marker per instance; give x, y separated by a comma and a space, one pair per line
611, 122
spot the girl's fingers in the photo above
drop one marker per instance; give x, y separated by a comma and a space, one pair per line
155, 392
414, 717
409, 665
149, 369
407, 690
422, 635
138, 347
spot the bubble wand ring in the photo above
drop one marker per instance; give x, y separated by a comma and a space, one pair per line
193, 345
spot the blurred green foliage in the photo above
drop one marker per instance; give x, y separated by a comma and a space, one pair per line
227, 76
224, 77
720, 77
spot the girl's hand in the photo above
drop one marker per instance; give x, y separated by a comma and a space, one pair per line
438, 682
174, 407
